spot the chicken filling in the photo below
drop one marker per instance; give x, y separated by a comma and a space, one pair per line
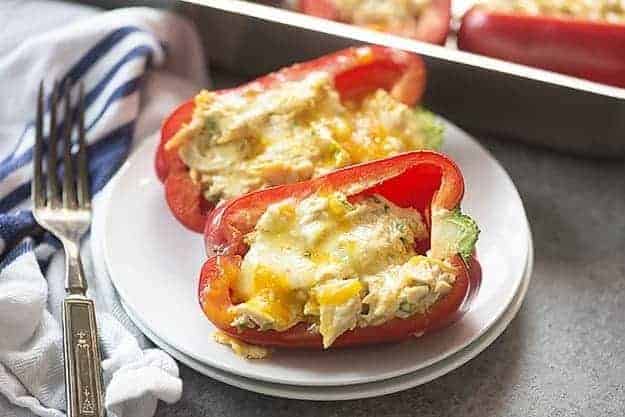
612, 11
336, 265
239, 142
380, 14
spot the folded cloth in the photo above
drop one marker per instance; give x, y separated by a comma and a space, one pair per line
136, 65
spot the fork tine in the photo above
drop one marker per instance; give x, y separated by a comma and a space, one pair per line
36, 190
83, 171
69, 186
53, 183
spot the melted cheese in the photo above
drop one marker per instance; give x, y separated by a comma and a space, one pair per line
380, 14
336, 265
242, 349
340, 305
603, 10
239, 142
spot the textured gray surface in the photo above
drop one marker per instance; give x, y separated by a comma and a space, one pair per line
564, 354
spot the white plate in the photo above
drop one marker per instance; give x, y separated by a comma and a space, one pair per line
154, 264
373, 389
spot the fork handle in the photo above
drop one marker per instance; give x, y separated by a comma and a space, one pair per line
83, 373
74, 276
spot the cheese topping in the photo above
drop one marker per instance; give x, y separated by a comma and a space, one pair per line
612, 11
242, 349
239, 142
336, 265
380, 14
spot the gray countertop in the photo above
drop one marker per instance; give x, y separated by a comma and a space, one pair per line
563, 355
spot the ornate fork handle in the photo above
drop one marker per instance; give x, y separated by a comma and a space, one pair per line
82, 354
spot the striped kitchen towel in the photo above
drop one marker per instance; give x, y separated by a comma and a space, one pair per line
136, 65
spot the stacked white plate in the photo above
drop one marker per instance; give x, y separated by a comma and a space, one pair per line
154, 263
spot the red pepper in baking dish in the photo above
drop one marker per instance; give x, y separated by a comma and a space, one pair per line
432, 24
425, 181
357, 71
594, 50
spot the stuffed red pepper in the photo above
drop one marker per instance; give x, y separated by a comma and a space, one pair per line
424, 20
349, 107
373, 253
582, 38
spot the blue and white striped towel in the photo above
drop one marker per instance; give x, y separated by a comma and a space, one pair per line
136, 64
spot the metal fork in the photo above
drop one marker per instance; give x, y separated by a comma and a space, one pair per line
68, 218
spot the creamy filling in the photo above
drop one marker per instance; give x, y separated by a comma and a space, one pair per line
240, 142
612, 11
380, 14
335, 266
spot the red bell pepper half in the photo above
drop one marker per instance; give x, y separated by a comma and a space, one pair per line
357, 71
432, 25
422, 180
593, 50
